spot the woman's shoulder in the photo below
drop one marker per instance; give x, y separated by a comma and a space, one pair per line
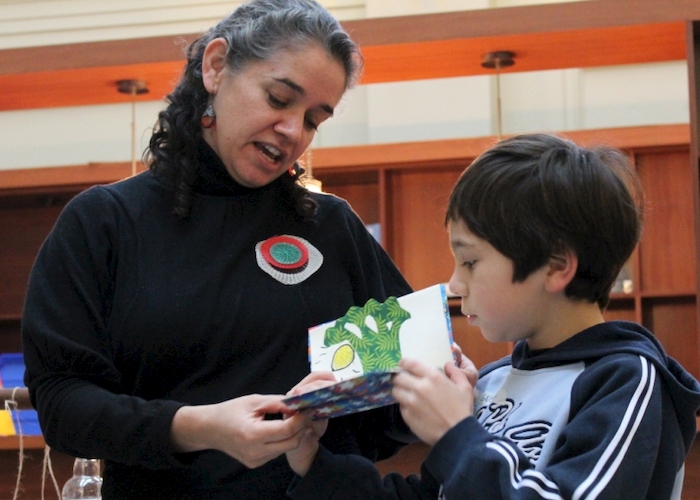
331, 201
127, 193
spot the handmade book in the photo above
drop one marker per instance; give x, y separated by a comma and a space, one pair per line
363, 348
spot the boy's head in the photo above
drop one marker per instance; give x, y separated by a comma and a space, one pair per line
534, 196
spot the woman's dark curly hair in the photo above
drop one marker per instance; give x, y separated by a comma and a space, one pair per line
254, 32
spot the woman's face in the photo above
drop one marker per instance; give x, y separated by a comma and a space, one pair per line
267, 112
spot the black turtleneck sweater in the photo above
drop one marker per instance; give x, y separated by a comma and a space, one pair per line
132, 313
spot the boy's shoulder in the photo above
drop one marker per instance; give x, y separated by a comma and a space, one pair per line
494, 365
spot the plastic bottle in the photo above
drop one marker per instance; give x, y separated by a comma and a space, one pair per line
86, 482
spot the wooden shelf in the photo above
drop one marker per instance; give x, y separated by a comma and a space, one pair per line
358, 163
667, 294
621, 297
29, 442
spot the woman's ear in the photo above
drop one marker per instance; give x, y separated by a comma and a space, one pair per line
562, 269
213, 64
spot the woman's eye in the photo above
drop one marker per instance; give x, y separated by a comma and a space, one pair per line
277, 103
311, 125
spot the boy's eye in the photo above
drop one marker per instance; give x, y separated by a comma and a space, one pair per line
469, 264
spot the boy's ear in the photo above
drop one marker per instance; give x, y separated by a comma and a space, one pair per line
213, 64
562, 269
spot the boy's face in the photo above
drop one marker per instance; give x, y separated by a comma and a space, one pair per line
483, 278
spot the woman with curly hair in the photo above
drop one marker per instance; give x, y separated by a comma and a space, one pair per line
167, 314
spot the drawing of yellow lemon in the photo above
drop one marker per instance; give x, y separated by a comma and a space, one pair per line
343, 357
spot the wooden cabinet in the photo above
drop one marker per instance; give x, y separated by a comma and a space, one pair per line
408, 195
663, 269
405, 190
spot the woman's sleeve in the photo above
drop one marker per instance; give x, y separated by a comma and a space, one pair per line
70, 371
608, 450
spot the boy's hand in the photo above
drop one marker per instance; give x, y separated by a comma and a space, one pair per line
465, 364
301, 458
432, 402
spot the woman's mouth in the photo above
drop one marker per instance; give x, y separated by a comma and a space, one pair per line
270, 152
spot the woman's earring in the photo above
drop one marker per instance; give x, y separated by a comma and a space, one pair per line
296, 170
209, 116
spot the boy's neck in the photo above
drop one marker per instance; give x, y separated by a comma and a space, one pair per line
562, 322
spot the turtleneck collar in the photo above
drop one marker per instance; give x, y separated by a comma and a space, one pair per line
214, 179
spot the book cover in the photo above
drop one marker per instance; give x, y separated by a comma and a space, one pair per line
363, 348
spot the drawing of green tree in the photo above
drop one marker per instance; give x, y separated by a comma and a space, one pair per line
378, 350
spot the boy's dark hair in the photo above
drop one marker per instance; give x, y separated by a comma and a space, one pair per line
533, 196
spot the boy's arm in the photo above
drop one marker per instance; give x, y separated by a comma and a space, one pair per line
352, 477
425, 394
622, 441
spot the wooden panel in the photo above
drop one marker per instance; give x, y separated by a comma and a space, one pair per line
417, 238
32, 472
691, 482
360, 190
667, 248
533, 52
620, 309
446, 152
673, 322
75, 178
22, 231
693, 36
351, 159
10, 338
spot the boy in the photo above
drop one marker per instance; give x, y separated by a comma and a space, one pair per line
539, 229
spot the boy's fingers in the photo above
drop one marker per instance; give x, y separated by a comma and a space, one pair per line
415, 367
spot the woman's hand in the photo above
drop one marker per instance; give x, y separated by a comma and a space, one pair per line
313, 381
432, 402
239, 428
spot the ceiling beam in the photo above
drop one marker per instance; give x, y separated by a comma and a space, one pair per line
550, 36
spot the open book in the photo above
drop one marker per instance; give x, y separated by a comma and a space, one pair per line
363, 348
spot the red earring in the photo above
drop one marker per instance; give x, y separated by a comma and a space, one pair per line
209, 116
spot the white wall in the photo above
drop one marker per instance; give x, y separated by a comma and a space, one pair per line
378, 113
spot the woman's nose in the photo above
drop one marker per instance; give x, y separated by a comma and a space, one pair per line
291, 125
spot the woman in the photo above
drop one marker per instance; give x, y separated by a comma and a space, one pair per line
166, 314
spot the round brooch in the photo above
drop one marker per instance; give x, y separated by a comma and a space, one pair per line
288, 259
